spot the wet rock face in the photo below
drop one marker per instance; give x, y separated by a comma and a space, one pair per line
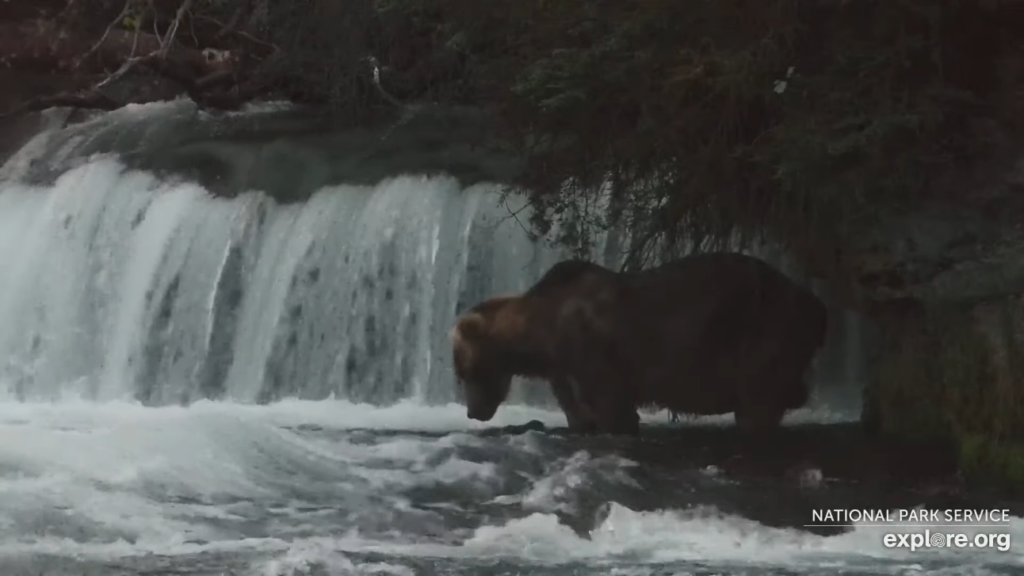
943, 283
954, 372
19, 125
17, 129
964, 242
287, 152
951, 252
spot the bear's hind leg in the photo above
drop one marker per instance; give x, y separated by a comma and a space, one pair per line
766, 396
765, 417
620, 419
760, 426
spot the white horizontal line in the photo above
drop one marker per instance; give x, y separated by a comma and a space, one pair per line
907, 525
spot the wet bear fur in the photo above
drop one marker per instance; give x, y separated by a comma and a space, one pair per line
706, 334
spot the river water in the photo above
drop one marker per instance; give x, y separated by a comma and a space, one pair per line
200, 385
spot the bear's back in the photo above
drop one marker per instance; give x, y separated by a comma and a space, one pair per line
720, 280
711, 301
569, 273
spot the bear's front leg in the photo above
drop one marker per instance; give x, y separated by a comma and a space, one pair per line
618, 416
607, 389
579, 416
601, 380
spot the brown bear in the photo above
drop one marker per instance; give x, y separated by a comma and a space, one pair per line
709, 333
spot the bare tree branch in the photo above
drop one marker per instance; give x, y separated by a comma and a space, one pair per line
229, 28
89, 100
106, 32
127, 63
165, 44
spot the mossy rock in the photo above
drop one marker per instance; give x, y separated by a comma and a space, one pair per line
981, 458
952, 374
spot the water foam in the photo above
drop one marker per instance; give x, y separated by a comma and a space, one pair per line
301, 487
157, 477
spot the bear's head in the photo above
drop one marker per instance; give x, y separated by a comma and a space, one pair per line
480, 351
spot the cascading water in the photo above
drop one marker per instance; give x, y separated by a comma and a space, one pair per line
117, 285
238, 384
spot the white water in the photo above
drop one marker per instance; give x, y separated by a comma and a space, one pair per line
333, 445
116, 481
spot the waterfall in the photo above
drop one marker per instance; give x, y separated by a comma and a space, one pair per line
117, 283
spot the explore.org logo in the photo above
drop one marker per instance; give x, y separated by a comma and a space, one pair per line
939, 528
929, 539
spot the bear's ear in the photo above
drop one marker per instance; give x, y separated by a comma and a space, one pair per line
465, 338
469, 328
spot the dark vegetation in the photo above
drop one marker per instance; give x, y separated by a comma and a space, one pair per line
799, 119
